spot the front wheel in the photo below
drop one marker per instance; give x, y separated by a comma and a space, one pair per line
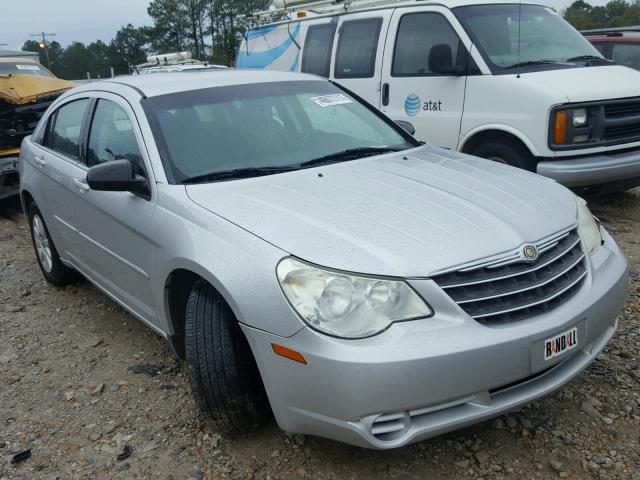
508, 152
224, 377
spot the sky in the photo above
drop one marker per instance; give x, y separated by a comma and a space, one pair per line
89, 20
71, 20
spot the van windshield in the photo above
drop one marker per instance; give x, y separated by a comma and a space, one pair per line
240, 131
546, 40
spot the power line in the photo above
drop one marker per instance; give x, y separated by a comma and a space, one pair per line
44, 44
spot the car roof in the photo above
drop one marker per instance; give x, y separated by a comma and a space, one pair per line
614, 34
154, 85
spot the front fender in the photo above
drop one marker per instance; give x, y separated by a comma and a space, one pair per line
501, 128
239, 265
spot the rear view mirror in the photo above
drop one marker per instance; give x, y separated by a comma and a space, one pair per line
408, 126
117, 176
441, 61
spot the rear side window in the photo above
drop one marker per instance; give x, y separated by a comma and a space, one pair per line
63, 135
112, 137
417, 34
357, 48
317, 49
627, 54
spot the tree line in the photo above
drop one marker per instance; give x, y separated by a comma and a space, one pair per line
616, 13
210, 30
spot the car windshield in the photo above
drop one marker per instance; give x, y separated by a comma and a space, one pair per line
24, 68
546, 40
237, 131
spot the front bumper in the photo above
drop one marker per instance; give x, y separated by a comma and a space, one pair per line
9, 184
422, 378
594, 169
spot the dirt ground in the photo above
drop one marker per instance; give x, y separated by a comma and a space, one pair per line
80, 379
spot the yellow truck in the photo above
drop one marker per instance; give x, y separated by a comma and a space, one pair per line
26, 90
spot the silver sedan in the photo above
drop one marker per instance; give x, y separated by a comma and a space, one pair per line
307, 257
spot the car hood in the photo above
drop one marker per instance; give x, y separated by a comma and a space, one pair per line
409, 215
588, 83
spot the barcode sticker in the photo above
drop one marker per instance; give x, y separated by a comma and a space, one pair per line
331, 100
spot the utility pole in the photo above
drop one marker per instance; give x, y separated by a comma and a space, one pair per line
44, 44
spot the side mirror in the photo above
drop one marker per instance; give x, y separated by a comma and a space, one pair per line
441, 61
408, 126
117, 176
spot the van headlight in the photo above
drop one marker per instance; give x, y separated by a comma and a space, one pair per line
588, 227
346, 305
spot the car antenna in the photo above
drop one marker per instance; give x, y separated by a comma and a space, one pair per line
519, 36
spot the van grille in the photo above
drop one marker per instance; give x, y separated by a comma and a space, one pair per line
515, 290
622, 120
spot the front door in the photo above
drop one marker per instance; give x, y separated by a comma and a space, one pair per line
433, 103
114, 227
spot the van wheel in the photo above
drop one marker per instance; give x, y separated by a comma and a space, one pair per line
54, 271
508, 152
224, 377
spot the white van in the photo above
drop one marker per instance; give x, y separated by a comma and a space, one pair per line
505, 81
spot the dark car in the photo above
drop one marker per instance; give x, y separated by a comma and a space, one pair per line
622, 45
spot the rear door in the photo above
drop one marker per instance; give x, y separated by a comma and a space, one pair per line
432, 102
359, 49
114, 226
57, 161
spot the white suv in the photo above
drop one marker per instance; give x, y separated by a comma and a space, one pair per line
506, 81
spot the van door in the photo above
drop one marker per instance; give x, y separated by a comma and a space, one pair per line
359, 49
420, 41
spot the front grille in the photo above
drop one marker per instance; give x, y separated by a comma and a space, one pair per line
514, 289
622, 120
622, 131
613, 110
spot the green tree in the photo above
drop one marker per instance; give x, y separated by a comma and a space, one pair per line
170, 25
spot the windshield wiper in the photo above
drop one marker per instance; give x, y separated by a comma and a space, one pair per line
529, 63
349, 154
588, 59
237, 173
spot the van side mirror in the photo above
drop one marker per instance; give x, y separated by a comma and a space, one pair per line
117, 176
407, 126
441, 61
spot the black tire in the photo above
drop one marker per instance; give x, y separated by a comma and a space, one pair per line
224, 377
55, 272
509, 152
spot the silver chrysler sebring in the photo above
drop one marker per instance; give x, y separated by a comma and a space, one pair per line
309, 259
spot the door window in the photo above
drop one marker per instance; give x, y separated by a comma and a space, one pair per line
63, 134
417, 34
317, 49
112, 137
357, 48
627, 54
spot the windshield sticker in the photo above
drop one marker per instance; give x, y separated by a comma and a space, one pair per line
28, 67
331, 100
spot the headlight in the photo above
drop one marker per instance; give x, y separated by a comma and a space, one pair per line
588, 227
573, 126
345, 305
579, 117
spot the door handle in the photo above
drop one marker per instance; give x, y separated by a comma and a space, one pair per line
39, 160
385, 94
81, 185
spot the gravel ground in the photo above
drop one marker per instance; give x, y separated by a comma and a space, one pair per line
80, 379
